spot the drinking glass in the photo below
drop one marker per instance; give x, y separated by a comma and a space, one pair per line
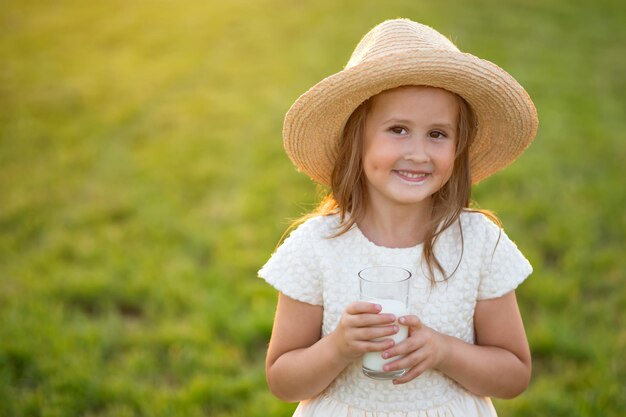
387, 286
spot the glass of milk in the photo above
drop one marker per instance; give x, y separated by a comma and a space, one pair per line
387, 286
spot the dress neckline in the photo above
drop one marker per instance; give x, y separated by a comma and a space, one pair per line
362, 236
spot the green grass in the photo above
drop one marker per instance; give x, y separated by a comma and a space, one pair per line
143, 183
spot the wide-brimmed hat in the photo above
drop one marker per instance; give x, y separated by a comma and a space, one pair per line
402, 52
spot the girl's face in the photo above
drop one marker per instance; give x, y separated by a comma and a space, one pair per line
410, 144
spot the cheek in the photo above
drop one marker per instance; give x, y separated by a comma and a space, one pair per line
450, 163
446, 161
378, 158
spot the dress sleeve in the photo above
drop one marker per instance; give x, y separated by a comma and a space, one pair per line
294, 269
504, 267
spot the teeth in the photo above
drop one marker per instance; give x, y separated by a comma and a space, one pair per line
411, 175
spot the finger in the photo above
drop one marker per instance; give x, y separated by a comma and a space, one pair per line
412, 321
377, 346
404, 362
371, 346
370, 333
405, 347
367, 320
410, 375
368, 314
360, 307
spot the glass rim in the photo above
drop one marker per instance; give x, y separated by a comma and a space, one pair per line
370, 268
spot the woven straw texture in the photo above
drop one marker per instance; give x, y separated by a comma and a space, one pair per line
402, 52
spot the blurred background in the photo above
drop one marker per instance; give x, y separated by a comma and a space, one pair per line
143, 183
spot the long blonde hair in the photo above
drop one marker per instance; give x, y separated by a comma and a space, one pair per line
348, 194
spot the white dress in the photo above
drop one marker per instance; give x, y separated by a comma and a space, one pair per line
315, 269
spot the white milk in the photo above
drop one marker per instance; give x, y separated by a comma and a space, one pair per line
374, 360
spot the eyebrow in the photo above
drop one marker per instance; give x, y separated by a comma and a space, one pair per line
408, 122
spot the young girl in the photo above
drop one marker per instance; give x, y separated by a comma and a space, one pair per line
399, 136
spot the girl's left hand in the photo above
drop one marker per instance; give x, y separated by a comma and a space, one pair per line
423, 350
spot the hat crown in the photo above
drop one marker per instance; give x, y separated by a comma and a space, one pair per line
397, 36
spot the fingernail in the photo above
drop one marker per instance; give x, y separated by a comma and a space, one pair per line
385, 355
402, 320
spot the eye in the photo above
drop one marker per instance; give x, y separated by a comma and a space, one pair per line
398, 130
437, 134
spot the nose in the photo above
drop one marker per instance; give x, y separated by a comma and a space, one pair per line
416, 150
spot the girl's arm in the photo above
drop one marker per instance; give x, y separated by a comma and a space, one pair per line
300, 363
498, 365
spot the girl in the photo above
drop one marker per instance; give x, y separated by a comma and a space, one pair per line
399, 136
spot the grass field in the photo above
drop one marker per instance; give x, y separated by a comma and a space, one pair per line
143, 184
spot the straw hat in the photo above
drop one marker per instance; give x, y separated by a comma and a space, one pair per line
402, 52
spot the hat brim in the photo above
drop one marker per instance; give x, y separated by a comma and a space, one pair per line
506, 116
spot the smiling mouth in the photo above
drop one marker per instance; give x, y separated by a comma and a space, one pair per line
412, 177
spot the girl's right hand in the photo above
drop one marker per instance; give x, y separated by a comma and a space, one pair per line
360, 324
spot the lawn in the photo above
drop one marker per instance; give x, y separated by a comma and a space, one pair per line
143, 184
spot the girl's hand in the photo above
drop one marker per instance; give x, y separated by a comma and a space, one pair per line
423, 350
359, 325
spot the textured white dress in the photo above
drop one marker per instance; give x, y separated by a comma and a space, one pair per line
315, 269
